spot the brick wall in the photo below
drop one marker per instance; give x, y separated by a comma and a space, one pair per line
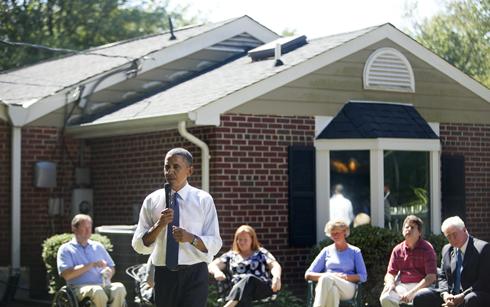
472, 141
5, 167
43, 144
249, 175
125, 169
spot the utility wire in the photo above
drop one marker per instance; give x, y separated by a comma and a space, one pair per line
42, 47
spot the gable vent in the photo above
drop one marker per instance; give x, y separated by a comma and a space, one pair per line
388, 69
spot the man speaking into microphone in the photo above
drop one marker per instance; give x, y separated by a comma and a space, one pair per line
178, 225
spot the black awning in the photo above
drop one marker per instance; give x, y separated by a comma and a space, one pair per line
369, 120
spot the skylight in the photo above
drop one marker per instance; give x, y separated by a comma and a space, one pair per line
288, 43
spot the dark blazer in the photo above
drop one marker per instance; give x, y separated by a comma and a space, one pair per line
475, 275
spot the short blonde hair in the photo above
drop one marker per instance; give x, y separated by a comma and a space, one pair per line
77, 219
361, 219
248, 229
337, 224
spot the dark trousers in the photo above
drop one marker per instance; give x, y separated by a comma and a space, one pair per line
431, 298
186, 287
248, 289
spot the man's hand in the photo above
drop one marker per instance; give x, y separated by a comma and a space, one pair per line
407, 297
166, 217
453, 300
181, 235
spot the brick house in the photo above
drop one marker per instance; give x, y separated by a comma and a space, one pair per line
265, 129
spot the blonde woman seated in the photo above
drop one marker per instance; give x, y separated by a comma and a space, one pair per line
249, 265
337, 268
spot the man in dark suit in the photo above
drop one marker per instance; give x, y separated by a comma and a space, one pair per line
471, 257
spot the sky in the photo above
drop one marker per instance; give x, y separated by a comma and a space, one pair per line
314, 18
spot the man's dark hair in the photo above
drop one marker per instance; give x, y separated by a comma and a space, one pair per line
416, 220
184, 153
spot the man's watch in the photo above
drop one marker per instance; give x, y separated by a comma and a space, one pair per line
194, 241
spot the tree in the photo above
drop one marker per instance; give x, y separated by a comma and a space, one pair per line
460, 35
75, 25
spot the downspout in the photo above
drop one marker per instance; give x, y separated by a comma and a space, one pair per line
16, 188
17, 115
204, 154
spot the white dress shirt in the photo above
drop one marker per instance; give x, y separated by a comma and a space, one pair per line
197, 216
341, 208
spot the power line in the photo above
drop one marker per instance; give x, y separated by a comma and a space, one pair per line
43, 47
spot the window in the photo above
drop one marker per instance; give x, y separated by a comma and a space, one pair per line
406, 187
350, 168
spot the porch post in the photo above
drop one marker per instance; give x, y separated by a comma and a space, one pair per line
377, 181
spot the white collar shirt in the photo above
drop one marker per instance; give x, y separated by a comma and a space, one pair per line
197, 216
341, 208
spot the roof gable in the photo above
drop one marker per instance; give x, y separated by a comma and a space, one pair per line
368, 120
49, 84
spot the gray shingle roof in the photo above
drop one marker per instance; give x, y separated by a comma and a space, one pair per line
27, 85
223, 81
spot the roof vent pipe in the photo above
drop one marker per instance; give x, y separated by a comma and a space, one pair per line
277, 55
171, 26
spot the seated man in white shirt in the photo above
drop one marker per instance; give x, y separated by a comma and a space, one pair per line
179, 227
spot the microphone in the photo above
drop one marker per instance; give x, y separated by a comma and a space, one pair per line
167, 188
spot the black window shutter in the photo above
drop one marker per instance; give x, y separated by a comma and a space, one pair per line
453, 195
302, 200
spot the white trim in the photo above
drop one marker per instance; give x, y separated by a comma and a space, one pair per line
435, 188
382, 143
126, 127
322, 192
376, 175
435, 128
209, 114
321, 122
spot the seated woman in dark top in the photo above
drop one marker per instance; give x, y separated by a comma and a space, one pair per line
249, 265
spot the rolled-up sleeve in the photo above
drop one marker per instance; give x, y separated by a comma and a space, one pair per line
210, 235
145, 222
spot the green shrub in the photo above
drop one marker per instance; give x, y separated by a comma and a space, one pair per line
437, 241
285, 298
376, 244
50, 250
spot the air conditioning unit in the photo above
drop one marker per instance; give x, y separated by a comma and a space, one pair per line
82, 202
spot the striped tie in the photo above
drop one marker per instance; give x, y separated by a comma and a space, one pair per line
172, 253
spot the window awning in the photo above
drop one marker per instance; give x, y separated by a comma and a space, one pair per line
370, 120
